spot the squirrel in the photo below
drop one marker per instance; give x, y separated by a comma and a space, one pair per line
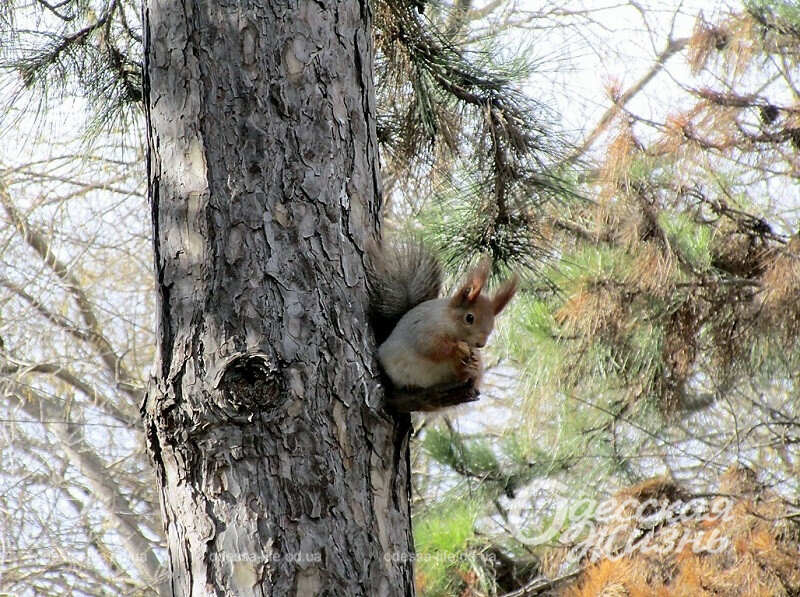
428, 346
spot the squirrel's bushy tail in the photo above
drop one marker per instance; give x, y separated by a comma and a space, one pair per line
400, 276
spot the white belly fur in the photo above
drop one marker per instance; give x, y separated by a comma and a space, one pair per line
406, 369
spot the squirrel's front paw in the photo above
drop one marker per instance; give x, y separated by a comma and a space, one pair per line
463, 352
474, 366
470, 366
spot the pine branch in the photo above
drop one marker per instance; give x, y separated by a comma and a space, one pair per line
459, 103
673, 47
98, 56
431, 399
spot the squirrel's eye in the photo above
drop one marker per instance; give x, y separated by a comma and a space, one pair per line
469, 318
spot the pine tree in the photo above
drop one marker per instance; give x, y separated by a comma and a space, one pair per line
451, 101
656, 330
663, 339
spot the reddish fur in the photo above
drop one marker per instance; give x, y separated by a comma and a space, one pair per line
444, 349
441, 348
471, 289
504, 294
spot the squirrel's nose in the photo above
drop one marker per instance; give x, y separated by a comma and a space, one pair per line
480, 344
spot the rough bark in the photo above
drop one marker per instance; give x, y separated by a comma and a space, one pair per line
280, 471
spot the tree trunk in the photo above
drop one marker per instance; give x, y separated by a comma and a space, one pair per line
280, 472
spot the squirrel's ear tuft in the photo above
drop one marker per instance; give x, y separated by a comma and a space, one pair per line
504, 294
471, 289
